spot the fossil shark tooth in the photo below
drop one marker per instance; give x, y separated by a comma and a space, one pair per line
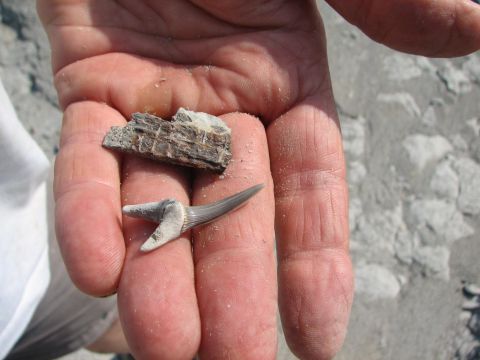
174, 218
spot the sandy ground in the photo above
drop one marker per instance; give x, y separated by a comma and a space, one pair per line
411, 130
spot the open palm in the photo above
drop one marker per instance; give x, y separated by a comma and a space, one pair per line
228, 58
261, 66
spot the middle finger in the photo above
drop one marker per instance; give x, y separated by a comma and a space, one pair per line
234, 256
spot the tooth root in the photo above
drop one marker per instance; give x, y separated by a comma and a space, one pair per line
149, 211
154, 241
172, 218
203, 214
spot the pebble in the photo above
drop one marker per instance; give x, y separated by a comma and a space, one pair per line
455, 80
429, 118
354, 211
404, 245
426, 65
459, 142
445, 182
469, 175
422, 149
400, 67
471, 305
376, 282
472, 67
353, 133
377, 232
437, 220
356, 172
474, 125
403, 99
472, 289
434, 261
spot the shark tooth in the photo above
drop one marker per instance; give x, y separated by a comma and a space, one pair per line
174, 218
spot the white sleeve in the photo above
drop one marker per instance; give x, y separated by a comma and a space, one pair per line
24, 271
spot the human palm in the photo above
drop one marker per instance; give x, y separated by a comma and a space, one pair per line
261, 66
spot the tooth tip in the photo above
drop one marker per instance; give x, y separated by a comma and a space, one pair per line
148, 245
259, 186
255, 189
144, 248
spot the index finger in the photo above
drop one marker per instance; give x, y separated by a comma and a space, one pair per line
87, 197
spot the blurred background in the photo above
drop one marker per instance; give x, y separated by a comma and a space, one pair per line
411, 130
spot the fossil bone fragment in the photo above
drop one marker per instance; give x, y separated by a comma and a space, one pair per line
174, 218
192, 139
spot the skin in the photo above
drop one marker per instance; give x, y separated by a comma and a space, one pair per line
262, 67
441, 28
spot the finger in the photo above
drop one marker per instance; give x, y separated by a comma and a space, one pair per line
315, 275
87, 194
156, 295
432, 28
234, 256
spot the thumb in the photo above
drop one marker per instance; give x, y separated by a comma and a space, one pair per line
443, 28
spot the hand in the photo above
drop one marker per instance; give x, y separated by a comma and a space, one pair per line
229, 58
440, 28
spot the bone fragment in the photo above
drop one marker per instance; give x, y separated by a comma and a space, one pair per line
193, 139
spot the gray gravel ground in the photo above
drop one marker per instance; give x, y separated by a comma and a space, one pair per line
411, 129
